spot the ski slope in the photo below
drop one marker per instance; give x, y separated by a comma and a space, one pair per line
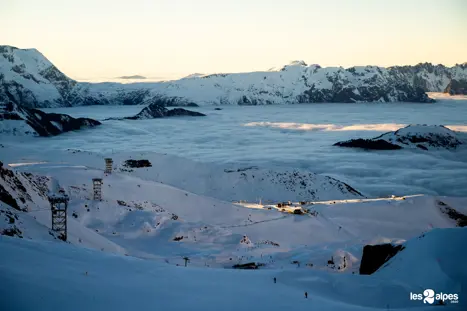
127, 251
59, 276
136, 214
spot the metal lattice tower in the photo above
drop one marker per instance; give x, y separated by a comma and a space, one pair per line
108, 165
97, 189
58, 207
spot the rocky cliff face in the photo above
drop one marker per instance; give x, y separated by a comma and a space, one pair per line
374, 256
28, 78
456, 87
18, 120
19, 189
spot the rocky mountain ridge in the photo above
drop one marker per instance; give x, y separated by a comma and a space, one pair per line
414, 136
154, 111
157, 110
19, 120
29, 79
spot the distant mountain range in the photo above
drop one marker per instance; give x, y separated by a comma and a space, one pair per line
132, 77
27, 78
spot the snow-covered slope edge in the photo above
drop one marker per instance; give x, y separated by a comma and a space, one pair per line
28, 78
92, 279
441, 253
25, 211
434, 260
226, 182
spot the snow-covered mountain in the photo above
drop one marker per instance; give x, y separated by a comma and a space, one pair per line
19, 121
157, 110
134, 77
28, 78
425, 137
155, 213
137, 213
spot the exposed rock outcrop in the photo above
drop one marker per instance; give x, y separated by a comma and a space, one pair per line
374, 256
18, 120
137, 163
457, 87
459, 218
156, 110
18, 189
377, 144
180, 112
425, 137
246, 266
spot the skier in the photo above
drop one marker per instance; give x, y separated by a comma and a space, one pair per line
274, 280
306, 294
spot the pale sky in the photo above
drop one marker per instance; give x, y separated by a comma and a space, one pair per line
90, 39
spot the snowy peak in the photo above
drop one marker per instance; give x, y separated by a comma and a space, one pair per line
151, 112
298, 63
194, 75
30, 58
295, 63
29, 79
425, 137
434, 78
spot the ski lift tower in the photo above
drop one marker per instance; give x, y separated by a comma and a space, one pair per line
108, 165
97, 189
58, 206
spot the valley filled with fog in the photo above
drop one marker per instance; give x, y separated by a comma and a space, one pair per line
293, 136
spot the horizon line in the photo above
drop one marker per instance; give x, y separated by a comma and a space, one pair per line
177, 76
